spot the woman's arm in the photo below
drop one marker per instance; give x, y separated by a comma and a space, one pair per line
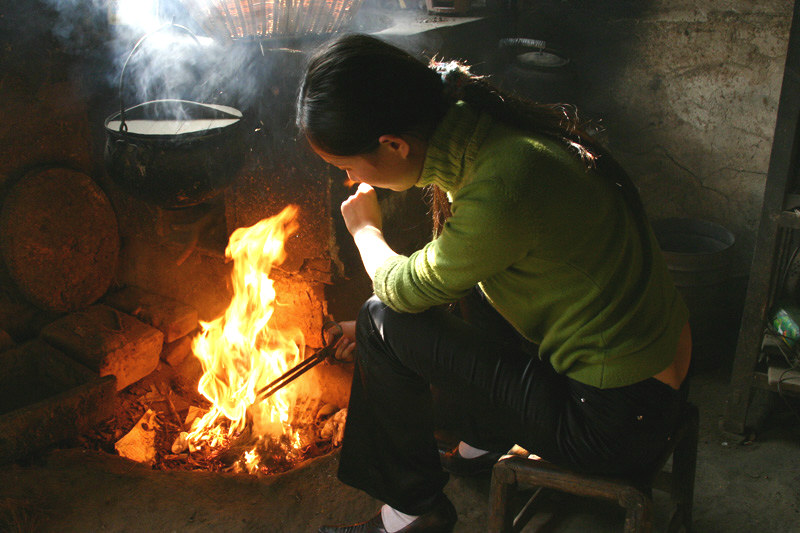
488, 231
362, 216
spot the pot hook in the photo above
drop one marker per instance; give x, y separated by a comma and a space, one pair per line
122, 126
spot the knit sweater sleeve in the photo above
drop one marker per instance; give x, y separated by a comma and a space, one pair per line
482, 237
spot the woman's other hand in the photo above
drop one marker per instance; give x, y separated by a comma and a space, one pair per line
361, 210
346, 345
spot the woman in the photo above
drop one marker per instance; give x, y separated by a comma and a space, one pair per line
574, 343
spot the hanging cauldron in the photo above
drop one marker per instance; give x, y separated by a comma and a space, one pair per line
173, 153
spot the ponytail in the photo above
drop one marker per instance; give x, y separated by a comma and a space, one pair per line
557, 121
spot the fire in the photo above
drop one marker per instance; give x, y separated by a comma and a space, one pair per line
241, 353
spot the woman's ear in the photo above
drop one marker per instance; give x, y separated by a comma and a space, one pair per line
396, 144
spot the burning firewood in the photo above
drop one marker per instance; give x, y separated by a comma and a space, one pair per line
333, 428
193, 414
317, 428
139, 444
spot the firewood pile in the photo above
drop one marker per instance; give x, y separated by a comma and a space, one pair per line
158, 401
145, 413
152, 414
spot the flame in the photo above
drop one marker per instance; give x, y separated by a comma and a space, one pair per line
241, 353
349, 183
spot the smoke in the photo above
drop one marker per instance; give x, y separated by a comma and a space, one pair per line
173, 58
159, 49
168, 63
73, 18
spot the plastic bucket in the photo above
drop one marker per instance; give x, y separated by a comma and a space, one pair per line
697, 252
698, 255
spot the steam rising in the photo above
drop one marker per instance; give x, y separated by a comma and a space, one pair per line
174, 59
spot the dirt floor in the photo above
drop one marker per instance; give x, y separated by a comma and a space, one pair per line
741, 485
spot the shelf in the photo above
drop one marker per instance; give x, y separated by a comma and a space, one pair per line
773, 247
761, 380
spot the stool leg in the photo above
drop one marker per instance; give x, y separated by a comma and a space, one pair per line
638, 512
684, 464
501, 494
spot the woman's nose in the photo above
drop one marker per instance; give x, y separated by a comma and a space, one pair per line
349, 182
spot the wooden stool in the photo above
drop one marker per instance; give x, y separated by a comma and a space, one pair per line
634, 495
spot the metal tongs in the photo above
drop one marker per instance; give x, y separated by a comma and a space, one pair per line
307, 364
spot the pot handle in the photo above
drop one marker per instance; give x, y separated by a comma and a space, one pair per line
122, 126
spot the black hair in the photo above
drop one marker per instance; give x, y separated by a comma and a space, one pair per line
357, 88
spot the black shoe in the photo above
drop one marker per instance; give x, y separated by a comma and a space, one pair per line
458, 465
440, 519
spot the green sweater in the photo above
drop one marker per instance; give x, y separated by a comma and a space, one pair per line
553, 246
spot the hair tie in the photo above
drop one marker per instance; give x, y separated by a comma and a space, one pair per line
455, 77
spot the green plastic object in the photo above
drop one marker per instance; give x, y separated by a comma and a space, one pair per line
786, 322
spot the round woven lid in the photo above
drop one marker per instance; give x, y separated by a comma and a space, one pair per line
59, 239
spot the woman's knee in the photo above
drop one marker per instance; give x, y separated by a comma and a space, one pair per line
370, 317
377, 320
370, 340
373, 350
382, 330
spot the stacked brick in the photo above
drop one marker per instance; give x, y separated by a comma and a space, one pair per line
175, 320
126, 335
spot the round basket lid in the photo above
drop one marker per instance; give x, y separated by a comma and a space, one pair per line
541, 59
59, 239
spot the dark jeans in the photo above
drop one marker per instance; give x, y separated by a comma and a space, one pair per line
508, 395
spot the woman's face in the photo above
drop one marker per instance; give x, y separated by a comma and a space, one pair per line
396, 164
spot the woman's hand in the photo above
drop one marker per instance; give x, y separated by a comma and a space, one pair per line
346, 345
361, 210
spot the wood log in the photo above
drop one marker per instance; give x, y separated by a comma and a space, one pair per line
174, 353
173, 318
107, 341
46, 397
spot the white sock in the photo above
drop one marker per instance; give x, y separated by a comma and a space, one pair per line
470, 452
394, 520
